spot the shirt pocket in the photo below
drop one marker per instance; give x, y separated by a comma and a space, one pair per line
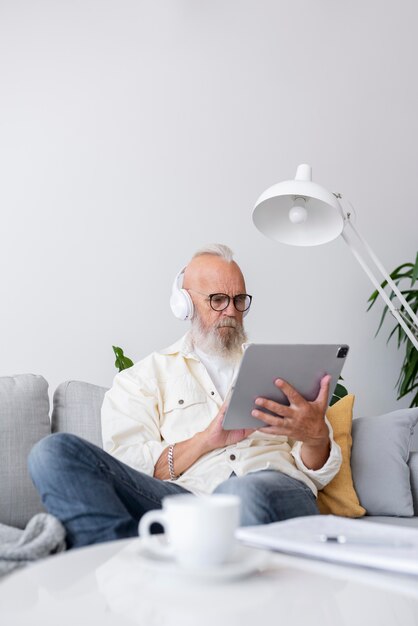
185, 410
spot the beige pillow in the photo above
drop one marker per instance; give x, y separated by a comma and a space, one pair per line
339, 496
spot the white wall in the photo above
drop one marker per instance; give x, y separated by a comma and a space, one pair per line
133, 132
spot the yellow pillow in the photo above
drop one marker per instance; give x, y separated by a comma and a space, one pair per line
339, 496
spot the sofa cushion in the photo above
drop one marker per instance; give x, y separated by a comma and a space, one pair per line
76, 410
24, 420
379, 462
339, 496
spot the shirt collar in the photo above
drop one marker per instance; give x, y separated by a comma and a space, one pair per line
183, 346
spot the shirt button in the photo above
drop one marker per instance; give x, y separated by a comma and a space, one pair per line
232, 457
212, 393
181, 401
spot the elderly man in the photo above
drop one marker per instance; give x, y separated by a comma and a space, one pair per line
162, 427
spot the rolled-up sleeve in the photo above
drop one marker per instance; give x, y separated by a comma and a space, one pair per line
130, 421
326, 473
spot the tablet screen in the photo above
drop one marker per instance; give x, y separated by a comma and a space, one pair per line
301, 365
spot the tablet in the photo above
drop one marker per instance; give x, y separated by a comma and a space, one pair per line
301, 365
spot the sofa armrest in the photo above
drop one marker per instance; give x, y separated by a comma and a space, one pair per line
24, 420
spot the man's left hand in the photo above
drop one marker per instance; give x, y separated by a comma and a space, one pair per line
302, 420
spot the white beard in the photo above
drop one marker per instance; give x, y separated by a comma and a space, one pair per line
227, 345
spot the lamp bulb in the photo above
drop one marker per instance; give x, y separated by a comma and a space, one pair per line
298, 213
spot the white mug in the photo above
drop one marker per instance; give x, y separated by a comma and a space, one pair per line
200, 529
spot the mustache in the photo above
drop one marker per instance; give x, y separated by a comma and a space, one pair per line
228, 322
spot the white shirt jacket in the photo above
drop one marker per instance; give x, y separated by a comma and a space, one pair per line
169, 397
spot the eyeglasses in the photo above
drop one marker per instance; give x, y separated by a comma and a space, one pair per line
220, 301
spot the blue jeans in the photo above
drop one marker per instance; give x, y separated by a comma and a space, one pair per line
98, 498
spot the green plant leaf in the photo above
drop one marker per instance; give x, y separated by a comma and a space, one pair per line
415, 271
408, 377
122, 362
385, 311
396, 275
339, 392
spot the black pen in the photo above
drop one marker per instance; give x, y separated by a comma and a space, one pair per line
364, 541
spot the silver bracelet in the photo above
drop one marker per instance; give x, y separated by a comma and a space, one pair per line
170, 460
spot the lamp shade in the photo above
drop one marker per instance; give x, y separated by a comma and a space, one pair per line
299, 212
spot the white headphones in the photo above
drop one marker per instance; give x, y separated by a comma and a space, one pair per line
180, 301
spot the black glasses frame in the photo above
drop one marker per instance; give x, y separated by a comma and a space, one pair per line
210, 297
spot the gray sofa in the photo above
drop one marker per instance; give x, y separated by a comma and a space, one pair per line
385, 471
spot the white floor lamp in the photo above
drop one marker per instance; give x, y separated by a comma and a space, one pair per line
300, 212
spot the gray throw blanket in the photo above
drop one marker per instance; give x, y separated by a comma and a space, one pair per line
43, 535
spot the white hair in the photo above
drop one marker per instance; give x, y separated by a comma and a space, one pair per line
216, 249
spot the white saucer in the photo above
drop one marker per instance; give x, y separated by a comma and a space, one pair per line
242, 562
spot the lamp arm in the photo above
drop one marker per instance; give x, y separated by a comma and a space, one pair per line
386, 276
408, 321
395, 312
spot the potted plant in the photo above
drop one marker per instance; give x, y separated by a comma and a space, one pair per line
404, 276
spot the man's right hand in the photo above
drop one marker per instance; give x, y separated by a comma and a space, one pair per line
188, 452
214, 436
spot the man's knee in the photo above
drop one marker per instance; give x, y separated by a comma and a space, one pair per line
253, 503
269, 497
243, 487
52, 451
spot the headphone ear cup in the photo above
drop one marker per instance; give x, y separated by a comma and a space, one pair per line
182, 305
180, 301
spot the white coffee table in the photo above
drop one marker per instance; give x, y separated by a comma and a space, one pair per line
111, 584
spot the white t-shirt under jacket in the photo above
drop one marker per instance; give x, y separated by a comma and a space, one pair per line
169, 397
